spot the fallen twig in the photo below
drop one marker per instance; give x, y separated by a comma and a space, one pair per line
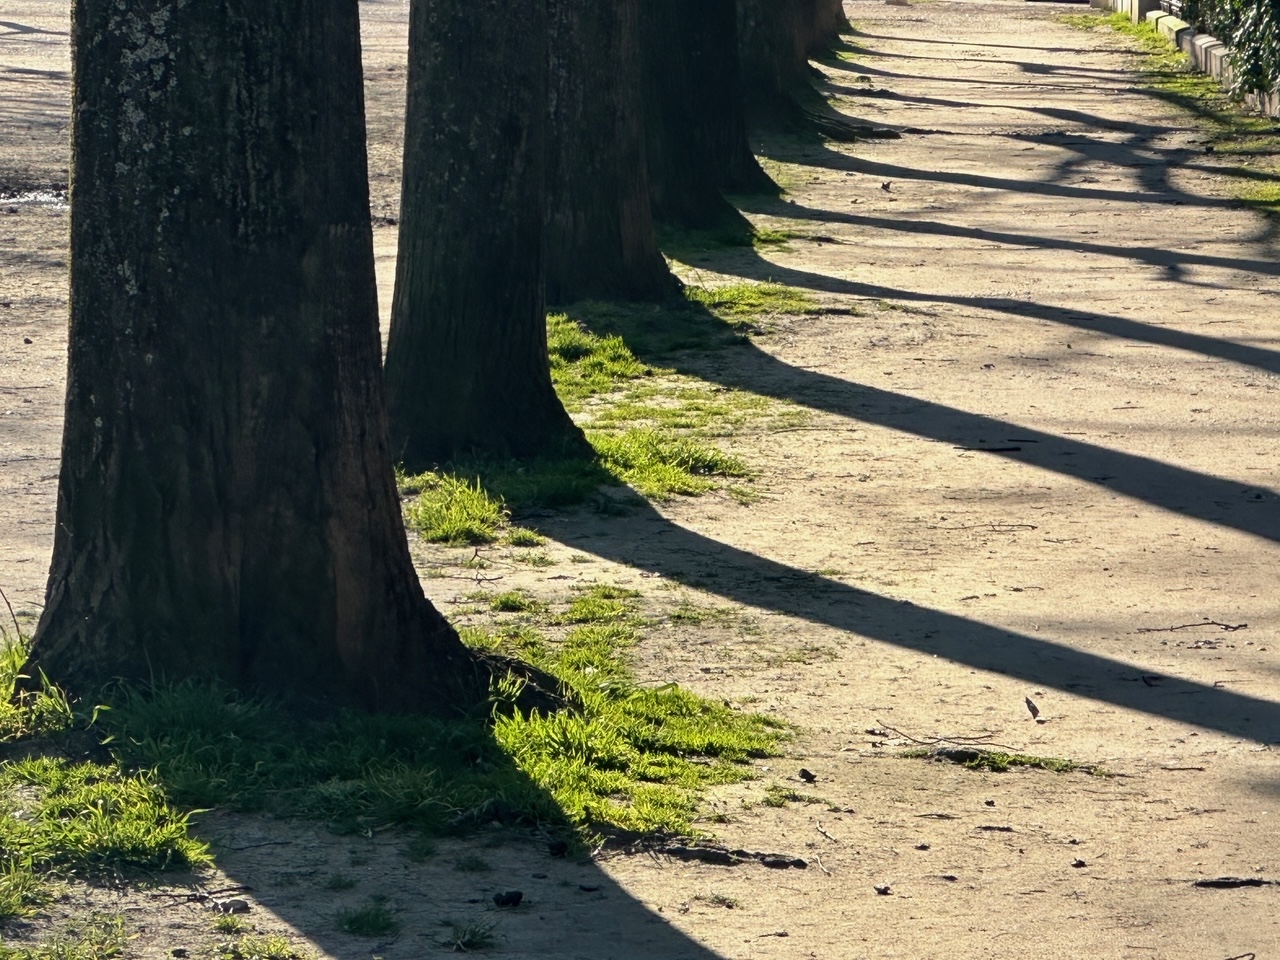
979, 741
203, 896
1228, 627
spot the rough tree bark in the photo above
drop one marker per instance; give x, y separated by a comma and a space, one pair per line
467, 368
226, 507
696, 133
717, 100
777, 38
601, 242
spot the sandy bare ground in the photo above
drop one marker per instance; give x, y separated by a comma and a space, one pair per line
1041, 462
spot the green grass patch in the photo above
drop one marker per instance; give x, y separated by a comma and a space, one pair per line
229, 924
690, 613
633, 756
630, 757
709, 317
776, 795
261, 947
523, 537
601, 603
99, 937
659, 464
469, 937
452, 509
766, 238
467, 502
742, 300
372, 919
91, 819
61, 819
1086, 21
584, 364
788, 176
646, 424
26, 713
999, 761
513, 601
682, 405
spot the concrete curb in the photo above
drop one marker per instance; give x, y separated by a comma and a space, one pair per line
1208, 54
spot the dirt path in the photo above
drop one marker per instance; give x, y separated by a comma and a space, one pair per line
1051, 270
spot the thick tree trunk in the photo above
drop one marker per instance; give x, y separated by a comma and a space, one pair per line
773, 43
776, 40
601, 242
226, 507
717, 100
680, 82
467, 368
819, 24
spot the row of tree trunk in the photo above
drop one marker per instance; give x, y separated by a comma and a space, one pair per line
226, 506
595, 121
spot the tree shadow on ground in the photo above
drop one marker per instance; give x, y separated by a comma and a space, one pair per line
1156, 191
299, 876
1171, 262
935, 40
307, 876
1140, 150
649, 541
1224, 502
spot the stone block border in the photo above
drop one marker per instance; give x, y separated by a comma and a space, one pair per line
1208, 55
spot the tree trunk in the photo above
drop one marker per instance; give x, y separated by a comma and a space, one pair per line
601, 242
680, 82
226, 507
717, 100
776, 40
467, 368
774, 57
819, 25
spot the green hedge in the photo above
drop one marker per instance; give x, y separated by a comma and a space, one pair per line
1251, 28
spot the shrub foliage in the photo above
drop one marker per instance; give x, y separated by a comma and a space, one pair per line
1252, 29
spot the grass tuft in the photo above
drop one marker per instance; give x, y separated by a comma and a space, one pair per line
257, 947
373, 919
61, 819
27, 713
658, 464
468, 937
514, 601
633, 756
100, 937
453, 510
584, 364
739, 300
600, 604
